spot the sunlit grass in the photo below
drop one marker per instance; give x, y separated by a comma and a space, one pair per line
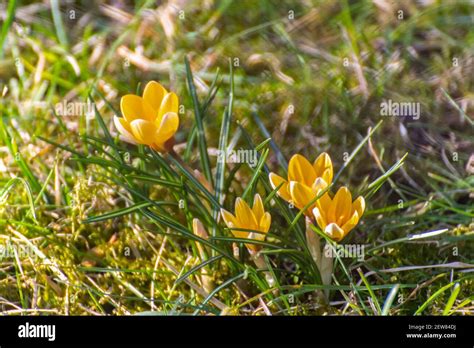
108, 225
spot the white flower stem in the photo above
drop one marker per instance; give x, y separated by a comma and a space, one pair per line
314, 243
320, 256
326, 268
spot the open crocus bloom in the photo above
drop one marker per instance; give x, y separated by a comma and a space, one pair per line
338, 216
305, 180
255, 219
150, 120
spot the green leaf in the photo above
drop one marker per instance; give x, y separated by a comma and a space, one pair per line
205, 163
118, 213
195, 182
196, 268
376, 184
432, 298
452, 298
256, 173
10, 16
219, 288
223, 138
58, 23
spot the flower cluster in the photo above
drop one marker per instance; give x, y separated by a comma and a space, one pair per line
306, 182
153, 120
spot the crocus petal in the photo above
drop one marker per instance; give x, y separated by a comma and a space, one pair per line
324, 201
359, 205
168, 127
229, 219
265, 223
244, 215
123, 127
351, 223
150, 113
143, 131
299, 169
253, 248
327, 175
343, 203
336, 206
237, 233
154, 94
334, 231
320, 218
264, 226
319, 184
169, 104
232, 222
301, 195
257, 207
134, 108
323, 167
283, 191
130, 140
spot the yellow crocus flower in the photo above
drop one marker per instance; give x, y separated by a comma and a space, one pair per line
151, 119
338, 216
305, 180
254, 218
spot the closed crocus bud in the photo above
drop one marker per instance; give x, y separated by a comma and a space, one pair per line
151, 119
255, 219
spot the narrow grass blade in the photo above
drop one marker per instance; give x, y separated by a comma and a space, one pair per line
356, 150
281, 159
58, 23
196, 268
10, 15
452, 298
195, 182
389, 300
205, 163
377, 183
219, 288
432, 298
117, 213
456, 106
256, 173
108, 137
223, 138
14, 152
162, 182
193, 133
